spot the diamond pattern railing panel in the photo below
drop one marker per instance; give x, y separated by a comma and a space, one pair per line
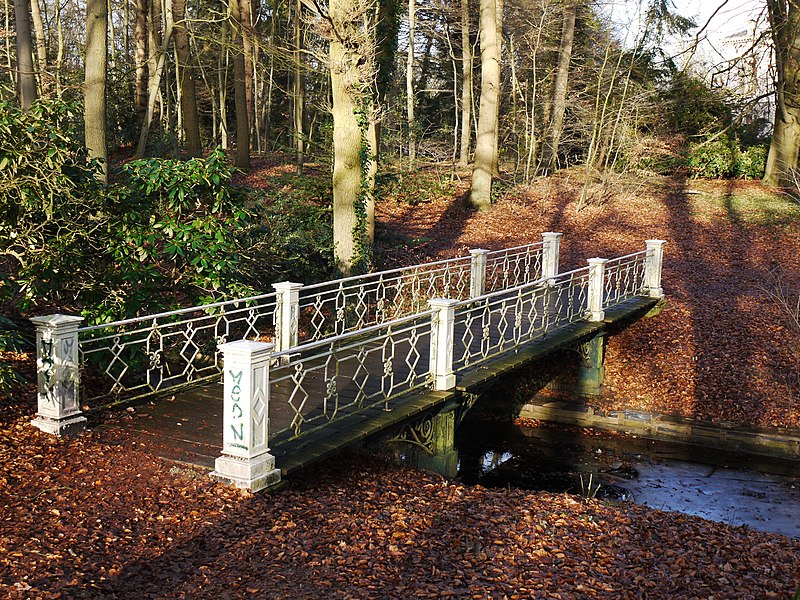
140, 357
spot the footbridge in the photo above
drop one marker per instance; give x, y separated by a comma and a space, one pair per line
310, 369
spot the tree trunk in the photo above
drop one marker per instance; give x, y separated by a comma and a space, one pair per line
412, 133
246, 7
781, 168
242, 156
95, 81
26, 77
558, 102
41, 47
152, 92
154, 25
466, 85
385, 52
486, 142
298, 86
140, 59
191, 125
352, 72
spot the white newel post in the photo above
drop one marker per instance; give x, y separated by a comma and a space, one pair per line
286, 313
551, 246
58, 374
442, 326
246, 461
652, 268
477, 272
595, 293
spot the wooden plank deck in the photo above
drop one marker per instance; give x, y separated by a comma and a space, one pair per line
188, 426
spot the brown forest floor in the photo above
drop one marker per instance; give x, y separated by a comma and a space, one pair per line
97, 517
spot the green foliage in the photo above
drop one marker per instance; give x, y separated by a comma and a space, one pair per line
714, 160
752, 162
295, 240
177, 225
53, 206
11, 340
171, 233
722, 158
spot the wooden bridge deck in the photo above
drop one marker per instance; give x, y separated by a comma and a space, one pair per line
187, 427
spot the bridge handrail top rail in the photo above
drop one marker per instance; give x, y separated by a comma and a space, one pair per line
531, 245
386, 272
170, 313
631, 255
434, 263
351, 334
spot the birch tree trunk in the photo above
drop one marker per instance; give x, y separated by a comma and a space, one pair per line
246, 7
480, 196
298, 86
26, 77
95, 81
153, 89
140, 58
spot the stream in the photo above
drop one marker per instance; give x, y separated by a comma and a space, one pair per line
741, 490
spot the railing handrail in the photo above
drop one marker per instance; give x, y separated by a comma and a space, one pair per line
531, 245
179, 311
299, 349
386, 272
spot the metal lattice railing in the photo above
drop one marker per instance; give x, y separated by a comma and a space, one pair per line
135, 358
344, 305
352, 371
513, 266
624, 277
502, 321
139, 357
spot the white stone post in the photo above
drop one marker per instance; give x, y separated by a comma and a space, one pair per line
246, 461
477, 273
594, 296
287, 310
551, 247
58, 374
442, 325
652, 268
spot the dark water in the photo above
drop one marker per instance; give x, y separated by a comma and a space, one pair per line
756, 492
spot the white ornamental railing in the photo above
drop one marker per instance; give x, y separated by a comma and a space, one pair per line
136, 358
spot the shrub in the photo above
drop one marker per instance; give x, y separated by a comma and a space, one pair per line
54, 212
717, 159
172, 233
752, 162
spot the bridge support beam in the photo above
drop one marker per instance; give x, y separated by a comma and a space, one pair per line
246, 461
443, 458
58, 375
